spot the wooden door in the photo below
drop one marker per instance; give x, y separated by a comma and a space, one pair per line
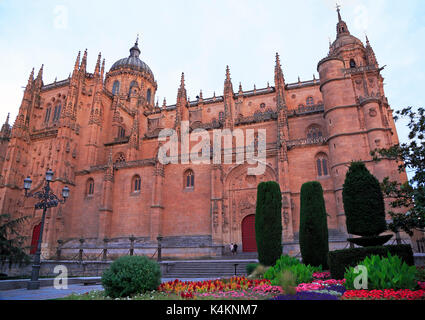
249, 242
35, 236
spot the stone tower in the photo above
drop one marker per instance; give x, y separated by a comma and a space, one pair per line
357, 113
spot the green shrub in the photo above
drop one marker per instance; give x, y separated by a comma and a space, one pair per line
131, 275
301, 272
281, 264
363, 202
268, 223
314, 240
384, 273
339, 260
251, 267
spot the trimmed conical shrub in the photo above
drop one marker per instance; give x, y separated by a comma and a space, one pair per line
314, 240
268, 223
363, 202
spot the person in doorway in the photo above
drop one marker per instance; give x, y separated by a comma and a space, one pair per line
235, 249
231, 248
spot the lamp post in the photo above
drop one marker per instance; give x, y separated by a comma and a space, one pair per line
47, 200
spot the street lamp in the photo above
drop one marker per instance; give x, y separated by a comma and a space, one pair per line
47, 200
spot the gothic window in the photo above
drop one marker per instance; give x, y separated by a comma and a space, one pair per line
352, 64
189, 179
310, 101
90, 187
132, 85
137, 183
314, 132
47, 117
221, 117
148, 95
322, 165
120, 158
121, 133
57, 112
116, 87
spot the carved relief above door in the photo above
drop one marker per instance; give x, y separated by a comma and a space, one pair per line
241, 195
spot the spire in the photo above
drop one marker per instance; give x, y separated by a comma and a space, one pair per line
228, 87
84, 62
40, 73
278, 74
341, 27
30, 79
370, 54
102, 70
97, 68
181, 94
77, 62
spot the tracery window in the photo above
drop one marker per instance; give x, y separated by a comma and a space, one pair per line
132, 85
137, 183
47, 117
352, 64
314, 132
189, 179
121, 132
57, 112
148, 95
322, 165
116, 87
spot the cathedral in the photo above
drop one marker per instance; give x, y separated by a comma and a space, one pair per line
99, 133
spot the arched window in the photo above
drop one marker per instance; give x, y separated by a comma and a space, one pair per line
116, 87
221, 117
314, 132
47, 117
132, 85
121, 132
148, 95
57, 112
90, 187
352, 64
137, 184
322, 165
189, 179
310, 101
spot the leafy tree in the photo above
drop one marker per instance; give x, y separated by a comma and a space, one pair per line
363, 202
314, 240
411, 156
11, 242
268, 223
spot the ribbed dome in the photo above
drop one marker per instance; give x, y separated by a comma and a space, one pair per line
132, 62
345, 40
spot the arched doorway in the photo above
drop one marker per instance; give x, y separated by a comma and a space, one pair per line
35, 236
249, 243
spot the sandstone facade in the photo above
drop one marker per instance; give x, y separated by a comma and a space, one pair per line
99, 133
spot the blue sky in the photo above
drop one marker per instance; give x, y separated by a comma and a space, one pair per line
201, 37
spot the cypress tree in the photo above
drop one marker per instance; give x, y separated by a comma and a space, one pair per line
314, 240
268, 223
363, 202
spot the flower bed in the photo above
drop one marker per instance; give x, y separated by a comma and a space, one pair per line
384, 295
236, 287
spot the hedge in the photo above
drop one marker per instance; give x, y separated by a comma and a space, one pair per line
339, 260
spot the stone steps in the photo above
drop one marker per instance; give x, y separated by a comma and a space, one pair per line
206, 269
